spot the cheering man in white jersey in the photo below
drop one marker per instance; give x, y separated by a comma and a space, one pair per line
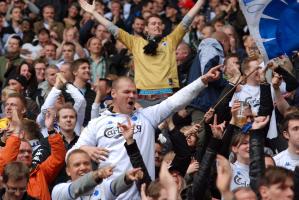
289, 158
103, 131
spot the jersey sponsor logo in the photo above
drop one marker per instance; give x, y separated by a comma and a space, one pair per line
114, 132
238, 180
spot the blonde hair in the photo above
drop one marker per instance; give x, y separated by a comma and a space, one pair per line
6, 92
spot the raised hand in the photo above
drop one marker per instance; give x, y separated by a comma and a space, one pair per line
234, 111
50, 118
260, 122
105, 172
97, 154
86, 6
209, 115
212, 75
276, 80
217, 129
192, 130
193, 167
134, 175
224, 174
127, 131
167, 181
14, 127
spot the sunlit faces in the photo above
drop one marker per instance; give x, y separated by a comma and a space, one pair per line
73, 11
124, 96
16, 14
79, 164
51, 75
68, 52
278, 191
191, 140
83, 72
25, 71
67, 119
50, 51
14, 103
292, 134
154, 27
95, 46
48, 13
25, 153
138, 26
40, 69
242, 149
255, 76
13, 45
102, 33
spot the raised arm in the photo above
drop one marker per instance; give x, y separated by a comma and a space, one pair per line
194, 10
90, 8
181, 98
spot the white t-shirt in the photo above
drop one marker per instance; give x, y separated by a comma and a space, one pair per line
287, 160
103, 132
249, 94
240, 174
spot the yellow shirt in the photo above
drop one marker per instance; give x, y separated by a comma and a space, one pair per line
4, 123
159, 71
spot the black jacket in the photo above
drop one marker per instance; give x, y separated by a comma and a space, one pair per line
137, 161
89, 96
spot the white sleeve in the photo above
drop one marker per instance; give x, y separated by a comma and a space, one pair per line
61, 191
88, 136
95, 110
176, 102
49, 103
79, 106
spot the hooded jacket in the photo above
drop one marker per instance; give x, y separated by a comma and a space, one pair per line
210, 54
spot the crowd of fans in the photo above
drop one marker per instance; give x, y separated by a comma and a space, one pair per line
143, 99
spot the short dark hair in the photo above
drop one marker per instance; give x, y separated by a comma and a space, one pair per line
246, 61
16, 37
232, 55
31, 129
289, 117
70, 44
48, 6
138, 17
15, 171
275, 175
40, 60
75, 151
76, 64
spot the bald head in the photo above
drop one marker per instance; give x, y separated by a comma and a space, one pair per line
120, 80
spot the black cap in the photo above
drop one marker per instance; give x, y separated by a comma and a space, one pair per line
20, 78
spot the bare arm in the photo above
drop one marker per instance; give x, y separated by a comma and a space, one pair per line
194, 10
91, 9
